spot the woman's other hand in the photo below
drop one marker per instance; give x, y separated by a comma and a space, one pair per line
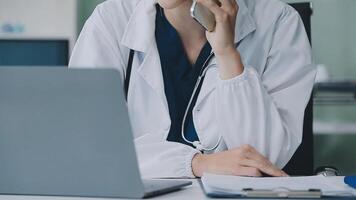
243, 161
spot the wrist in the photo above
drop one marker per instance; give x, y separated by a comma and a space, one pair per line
197, 165
228, 51
230, 64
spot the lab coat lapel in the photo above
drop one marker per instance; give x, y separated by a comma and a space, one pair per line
139, 35
245, 25
150, 70
140, 30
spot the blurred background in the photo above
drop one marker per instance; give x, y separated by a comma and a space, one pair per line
43, 32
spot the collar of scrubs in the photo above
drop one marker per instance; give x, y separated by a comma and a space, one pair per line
139, 34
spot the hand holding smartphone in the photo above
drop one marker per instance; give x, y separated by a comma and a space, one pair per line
219, 18
203, 15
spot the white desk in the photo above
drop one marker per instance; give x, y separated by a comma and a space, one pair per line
190, 192
193, 192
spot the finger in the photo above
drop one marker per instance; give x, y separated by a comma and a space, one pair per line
220, 14
230, 6
247, 171
218, 2
212, 5
252, 153
263, 167
263, 163
231, 3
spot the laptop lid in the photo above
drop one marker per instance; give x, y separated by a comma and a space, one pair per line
66, 132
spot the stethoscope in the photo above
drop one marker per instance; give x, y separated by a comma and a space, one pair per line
197, 144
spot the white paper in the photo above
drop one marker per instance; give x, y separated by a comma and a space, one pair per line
222, 184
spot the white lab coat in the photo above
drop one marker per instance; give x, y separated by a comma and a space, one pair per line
263, 107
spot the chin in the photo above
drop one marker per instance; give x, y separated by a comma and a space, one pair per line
169, 4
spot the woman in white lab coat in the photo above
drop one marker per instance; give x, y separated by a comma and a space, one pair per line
248, 117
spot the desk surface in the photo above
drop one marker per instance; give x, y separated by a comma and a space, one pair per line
191, 192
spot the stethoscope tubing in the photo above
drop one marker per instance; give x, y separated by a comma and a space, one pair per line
197, 144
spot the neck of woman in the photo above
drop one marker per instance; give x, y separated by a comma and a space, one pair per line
188, 29
192, 34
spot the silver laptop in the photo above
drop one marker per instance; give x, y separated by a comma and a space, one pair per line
66, 132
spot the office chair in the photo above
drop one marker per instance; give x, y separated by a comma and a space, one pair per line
302, 162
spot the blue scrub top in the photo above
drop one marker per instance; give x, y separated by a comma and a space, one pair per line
179, 76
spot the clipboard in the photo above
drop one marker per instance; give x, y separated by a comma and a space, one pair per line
281, 193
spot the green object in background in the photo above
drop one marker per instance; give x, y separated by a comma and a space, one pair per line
85, 9
333, 30
336, 150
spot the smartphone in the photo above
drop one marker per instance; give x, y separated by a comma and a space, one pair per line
203, 15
